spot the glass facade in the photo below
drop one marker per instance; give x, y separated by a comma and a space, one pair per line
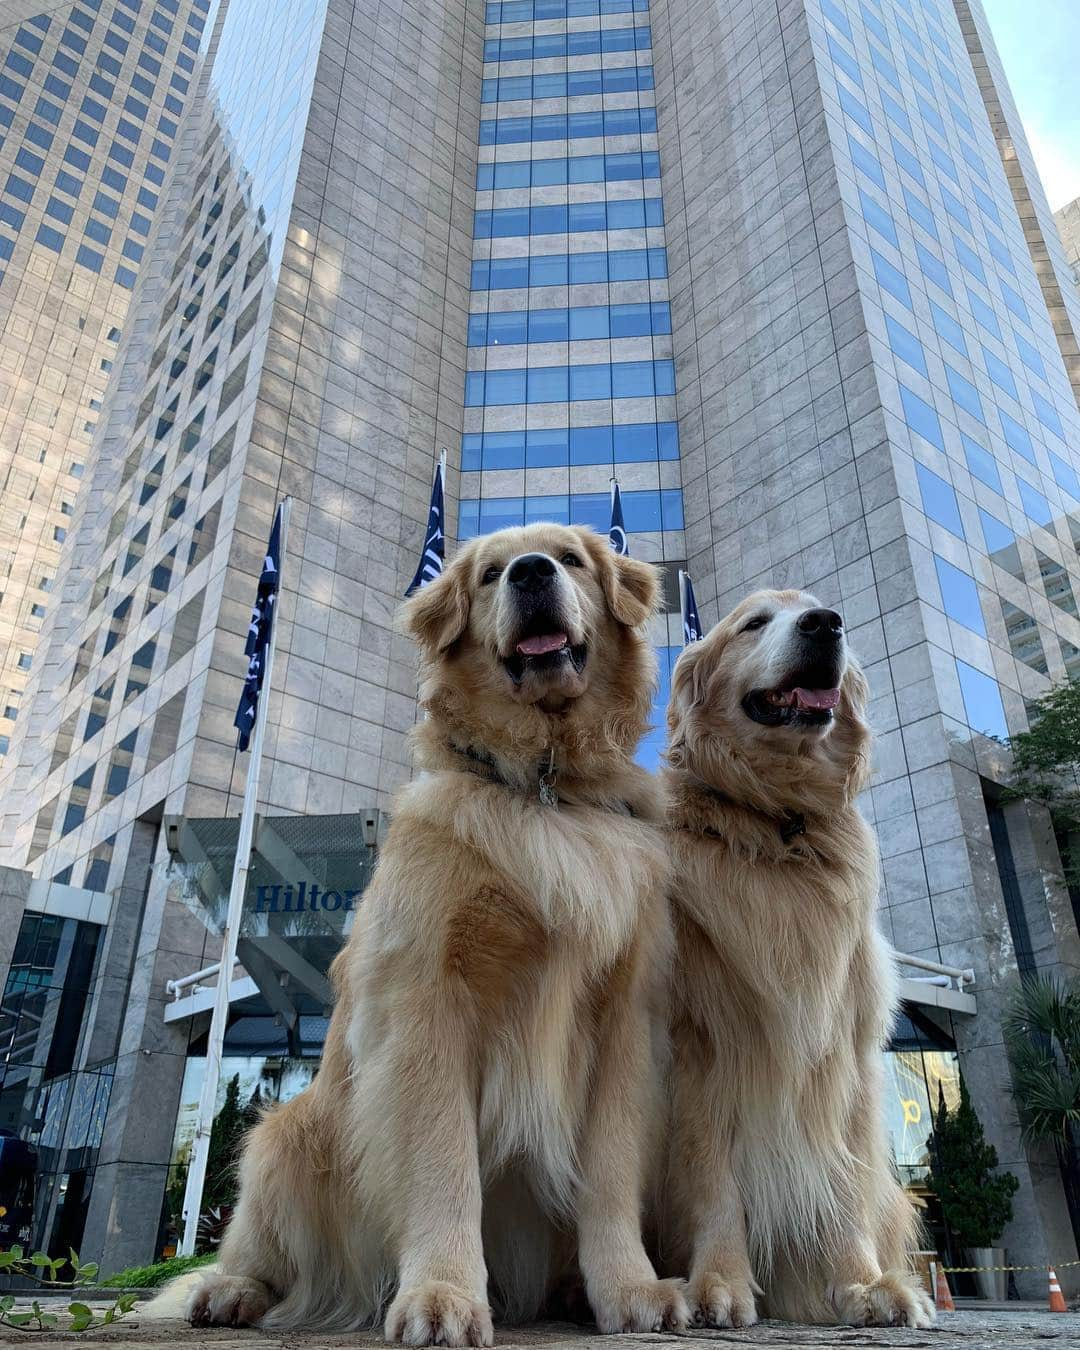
967, 356
570, 373
54, 1107
91, 97
209, 330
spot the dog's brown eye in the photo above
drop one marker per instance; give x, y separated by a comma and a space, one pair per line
570, 560
758, 622
492, 573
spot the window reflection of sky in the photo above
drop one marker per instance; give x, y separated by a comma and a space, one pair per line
260, 87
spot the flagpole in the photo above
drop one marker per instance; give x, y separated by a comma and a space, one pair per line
682, 603
204, 1121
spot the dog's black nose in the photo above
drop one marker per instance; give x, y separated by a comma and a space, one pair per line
821, 624
531, 572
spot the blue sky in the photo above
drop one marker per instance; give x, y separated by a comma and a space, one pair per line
1039, 42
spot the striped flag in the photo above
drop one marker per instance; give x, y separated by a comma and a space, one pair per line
434, 554
691, 624
617, 529
258, 636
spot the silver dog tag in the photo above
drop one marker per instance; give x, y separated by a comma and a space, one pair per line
547, 780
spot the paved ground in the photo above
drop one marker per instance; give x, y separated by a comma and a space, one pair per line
965, 1330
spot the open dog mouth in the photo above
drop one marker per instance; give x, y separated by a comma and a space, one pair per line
543, 648
792, 706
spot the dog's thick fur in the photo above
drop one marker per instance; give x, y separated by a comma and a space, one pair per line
780, 1181
488, 1097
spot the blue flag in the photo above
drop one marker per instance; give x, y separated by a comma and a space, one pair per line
617, 530
434, 554
258, 637
691, 624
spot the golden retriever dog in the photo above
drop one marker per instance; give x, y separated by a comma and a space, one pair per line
489, 1099
780, 1181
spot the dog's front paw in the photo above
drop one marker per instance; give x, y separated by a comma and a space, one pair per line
227, 1301
716, 1301
641, 1305
437, 1313
892, 1300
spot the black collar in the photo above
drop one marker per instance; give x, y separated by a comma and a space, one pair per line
790, 825
546, 779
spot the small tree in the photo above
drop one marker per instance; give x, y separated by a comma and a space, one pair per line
1046, 767
226, 1140
975, 1200
1042, 1033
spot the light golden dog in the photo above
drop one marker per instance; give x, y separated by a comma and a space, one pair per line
783, 994
488, 1099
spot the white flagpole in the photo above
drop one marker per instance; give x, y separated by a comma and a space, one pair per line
442, 466
200, 1147
682, 604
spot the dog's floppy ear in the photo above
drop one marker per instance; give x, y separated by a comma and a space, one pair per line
631, 588
437, 614
856, 690
688, 681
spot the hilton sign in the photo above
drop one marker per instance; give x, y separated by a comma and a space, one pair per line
284, 898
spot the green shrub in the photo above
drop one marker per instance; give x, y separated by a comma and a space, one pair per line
149, 1277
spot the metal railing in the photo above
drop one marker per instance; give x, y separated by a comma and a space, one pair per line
950, 976
191, 983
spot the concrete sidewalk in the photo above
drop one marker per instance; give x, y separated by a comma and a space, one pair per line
1023, 1329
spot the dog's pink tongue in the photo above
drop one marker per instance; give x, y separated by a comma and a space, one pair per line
541, 643
817, 698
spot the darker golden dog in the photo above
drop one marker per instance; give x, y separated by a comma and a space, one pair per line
780, 1184
488, 1099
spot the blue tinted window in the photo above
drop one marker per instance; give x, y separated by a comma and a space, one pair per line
969, 260
107, 205
874, 24
1000, 373
895, 113
984, 314
836, 16
83, 131
933, 267
10, 216
964, 393
1030, 356
50, 238
982, 701
92, 108
905, 344
1014, 301
948, 328
996, 533
920, 72
57, 87
866, 163
884, 67
31, 163
956, 208
1047, 414
87, 257
844, 61
855, 109
878, 218
943, 160
919, 212
960, 596
972, 159
921, 417
987, 204
45, 109
891, 279
98, 230
1016, 436
68, 183
939, 500
19, 187
79, 159
908, 162
982, 464
1065, 475
147, 198
39, 135
1035, 505
1000, 251
59, 210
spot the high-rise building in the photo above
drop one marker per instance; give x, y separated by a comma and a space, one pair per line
787, 272
90, 102
1068, 223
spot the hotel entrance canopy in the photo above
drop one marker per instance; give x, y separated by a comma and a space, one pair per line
304, 886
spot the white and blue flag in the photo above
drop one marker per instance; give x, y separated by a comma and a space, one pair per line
258, 636
434, 554
691, 624
617, 529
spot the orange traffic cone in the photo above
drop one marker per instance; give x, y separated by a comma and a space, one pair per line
1057, 1300
942, 1297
